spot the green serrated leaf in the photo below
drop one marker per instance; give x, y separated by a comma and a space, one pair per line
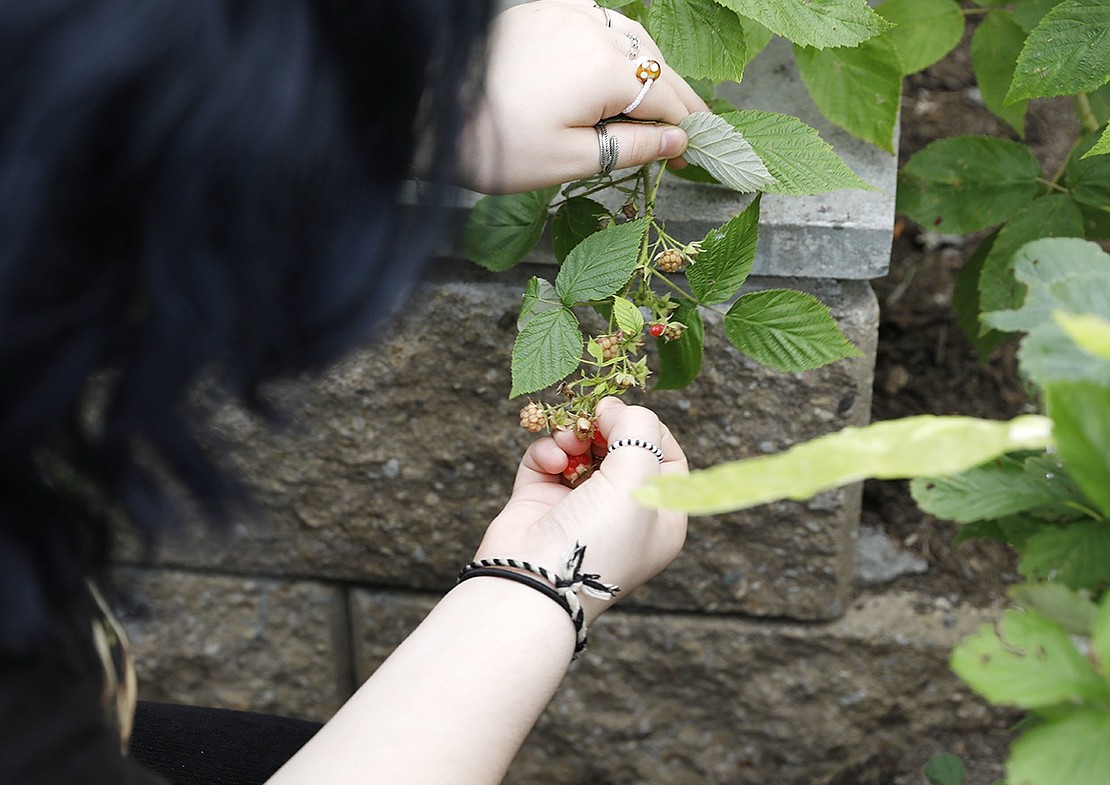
1048, 355
547, 350
1071, 749
575, 220
816, 23
699, 38
965, 183
1100, 147
627, 316
539, 296
787, 330
1072, 610
721, 150
859, 89
945, 769
1055, 215
924, 30
501, 230
1076, 555
726, 257
1089, 332
1100, 635
965, 301
680, 360
997, 489
800, 161
1029, 13
920, 446
757, 36
1089, 178
1061, 274
995, 46
1028, 661
1068, 52
601, 265
1081, 414
1099, 101
1015, 531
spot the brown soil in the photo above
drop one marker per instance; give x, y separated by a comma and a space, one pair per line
925, 364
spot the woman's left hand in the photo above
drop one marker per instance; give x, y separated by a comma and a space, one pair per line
556, 69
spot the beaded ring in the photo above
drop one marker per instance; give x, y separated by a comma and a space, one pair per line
637, 443
647, 71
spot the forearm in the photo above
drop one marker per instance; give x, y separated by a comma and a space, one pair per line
455, 701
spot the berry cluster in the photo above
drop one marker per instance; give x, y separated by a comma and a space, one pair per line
671, 260
533, 418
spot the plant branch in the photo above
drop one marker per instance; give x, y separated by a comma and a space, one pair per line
1087, 119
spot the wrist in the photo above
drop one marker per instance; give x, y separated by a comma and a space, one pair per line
568, 587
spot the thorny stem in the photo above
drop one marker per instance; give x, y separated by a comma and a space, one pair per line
597, 188
603, 377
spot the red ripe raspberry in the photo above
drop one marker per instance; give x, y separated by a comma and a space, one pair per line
670, 261
674, 331
599, 441
532, 417
657, 329
578, 467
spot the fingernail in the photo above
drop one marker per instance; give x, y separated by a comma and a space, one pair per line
674, 142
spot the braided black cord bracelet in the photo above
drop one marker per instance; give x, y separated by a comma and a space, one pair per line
563, 590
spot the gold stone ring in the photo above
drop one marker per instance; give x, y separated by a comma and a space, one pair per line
647, 71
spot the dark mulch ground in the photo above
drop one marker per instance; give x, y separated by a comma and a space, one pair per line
926, 365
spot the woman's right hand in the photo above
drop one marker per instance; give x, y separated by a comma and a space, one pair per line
626, 544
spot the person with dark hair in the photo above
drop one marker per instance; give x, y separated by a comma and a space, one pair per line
200, 196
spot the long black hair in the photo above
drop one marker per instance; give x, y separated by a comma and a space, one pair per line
191, 190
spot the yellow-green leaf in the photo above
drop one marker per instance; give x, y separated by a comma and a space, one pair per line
921, 446
1090, 332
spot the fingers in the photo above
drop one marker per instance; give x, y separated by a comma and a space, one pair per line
633, 42
542, 463
638, 143
630, 465
569, 442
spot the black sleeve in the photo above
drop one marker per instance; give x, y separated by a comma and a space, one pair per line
54, 729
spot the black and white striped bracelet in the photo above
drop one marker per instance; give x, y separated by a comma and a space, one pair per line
563, 589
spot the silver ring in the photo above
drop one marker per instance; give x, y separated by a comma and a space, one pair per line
608, 18
634, 51
638, 443
610, 148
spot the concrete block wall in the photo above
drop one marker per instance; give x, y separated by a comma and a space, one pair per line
750, 661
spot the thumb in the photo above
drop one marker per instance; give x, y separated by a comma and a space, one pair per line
642, 143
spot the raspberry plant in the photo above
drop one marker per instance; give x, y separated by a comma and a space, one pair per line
1040, 483
647, 286
1021, 51
652, 287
